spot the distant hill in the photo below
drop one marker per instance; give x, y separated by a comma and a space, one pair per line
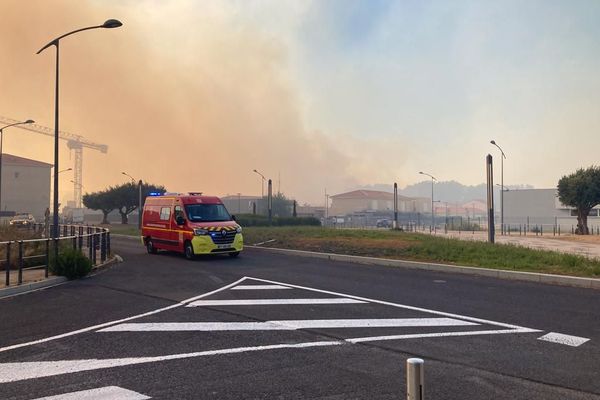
450, 191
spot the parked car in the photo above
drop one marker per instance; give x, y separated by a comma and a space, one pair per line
383, 223
22, 220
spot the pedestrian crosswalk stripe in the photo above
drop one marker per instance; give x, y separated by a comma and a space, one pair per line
569, 340
285, 325
104, 393
259, 287
264, 302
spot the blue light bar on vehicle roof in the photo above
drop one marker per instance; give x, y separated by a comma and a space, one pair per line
155, 194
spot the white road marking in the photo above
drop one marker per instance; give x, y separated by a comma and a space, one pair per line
440, 334
105, 393
397, 305
270, 302
13, 372
96, 327
568, 340
286, 325
259, 287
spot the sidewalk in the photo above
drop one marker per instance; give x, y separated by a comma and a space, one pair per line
29, 276
565, 243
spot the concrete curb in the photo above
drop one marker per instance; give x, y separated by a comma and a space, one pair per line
30, 287
137, 238
53, 281
589, 283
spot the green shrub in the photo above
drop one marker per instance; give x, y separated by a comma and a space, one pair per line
71, 264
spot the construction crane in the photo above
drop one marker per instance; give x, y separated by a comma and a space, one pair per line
74, 142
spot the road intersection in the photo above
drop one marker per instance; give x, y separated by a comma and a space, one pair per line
256, 337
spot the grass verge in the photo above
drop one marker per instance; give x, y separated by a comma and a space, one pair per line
121, 229
420, 247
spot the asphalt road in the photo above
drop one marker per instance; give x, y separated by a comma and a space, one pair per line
285, 327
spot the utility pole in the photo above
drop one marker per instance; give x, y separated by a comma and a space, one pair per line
270, 201
490, 197
395, 205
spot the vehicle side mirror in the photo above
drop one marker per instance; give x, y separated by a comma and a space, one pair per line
180, 220
233, 218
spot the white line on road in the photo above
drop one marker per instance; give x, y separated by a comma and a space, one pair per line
264, 302
286, 325
440, 334
259, 287
95, 327
387, 303
105, 393
573, 341
12, 372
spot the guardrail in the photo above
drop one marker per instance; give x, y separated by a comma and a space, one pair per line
19, 256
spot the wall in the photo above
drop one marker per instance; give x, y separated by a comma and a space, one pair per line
26, 189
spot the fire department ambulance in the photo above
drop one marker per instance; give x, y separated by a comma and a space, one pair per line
191, 224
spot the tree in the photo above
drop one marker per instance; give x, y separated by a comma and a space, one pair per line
127, 197
281, 206
100, 201
581, 190
124, 198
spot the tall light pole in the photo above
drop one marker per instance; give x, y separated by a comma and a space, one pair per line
65, 170
29, 121
262, 184
78, 184
502, 184
432, 209
140, 183
111, 23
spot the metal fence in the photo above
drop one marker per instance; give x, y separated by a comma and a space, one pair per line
18, 256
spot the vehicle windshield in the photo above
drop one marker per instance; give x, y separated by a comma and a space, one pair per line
207, 213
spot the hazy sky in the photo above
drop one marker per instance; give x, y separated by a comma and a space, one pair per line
333, 93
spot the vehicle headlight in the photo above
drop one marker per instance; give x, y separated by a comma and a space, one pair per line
200, 232
238, 229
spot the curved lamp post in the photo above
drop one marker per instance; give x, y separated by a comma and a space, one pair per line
432, 209
29, 121
502, 184
262, 184
111, 23
140, 183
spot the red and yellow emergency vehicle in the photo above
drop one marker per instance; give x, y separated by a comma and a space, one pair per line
191, 224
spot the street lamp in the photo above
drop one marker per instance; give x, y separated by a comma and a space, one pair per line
78, 184
262, 185
29, 121
501, 183
432, 209
111, 23
139, 198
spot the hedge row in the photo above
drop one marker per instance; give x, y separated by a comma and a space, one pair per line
261, 220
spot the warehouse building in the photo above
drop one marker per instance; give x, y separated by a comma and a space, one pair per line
25, 186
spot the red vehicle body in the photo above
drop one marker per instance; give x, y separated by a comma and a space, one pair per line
191, 224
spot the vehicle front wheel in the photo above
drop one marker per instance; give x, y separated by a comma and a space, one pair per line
234, 254
188, 250
150, 247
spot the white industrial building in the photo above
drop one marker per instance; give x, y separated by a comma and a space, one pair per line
25, 186
540, 207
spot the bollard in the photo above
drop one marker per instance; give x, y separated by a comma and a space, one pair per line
94, 245
90, 247
47, 267
8, 263
415, 383
103, 247
20, 280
